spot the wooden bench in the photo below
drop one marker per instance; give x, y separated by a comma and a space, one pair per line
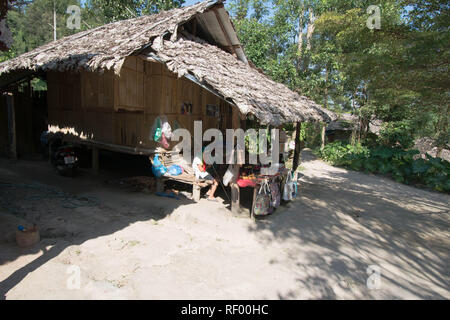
185, 177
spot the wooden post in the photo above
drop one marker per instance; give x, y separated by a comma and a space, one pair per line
322, 135
252, 209
12, 134
50, 143
236, 209
297, 147
196, 192
95, 165
159, 185
235, 199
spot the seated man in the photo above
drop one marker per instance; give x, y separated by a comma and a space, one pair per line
201, 173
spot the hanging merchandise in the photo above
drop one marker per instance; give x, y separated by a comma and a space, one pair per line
166, 129
158, 169
163, 142
275, 194
156, 130
175, 125
288, 188
228, 175
262, 207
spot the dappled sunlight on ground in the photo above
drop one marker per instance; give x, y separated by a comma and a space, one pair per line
136, 245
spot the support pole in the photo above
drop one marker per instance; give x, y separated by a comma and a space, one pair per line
236, 209
12, 134
50, 146
297, 147
235, 198
159, 185
95, 165
196, 192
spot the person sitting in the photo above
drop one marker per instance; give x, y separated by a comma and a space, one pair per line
201, 172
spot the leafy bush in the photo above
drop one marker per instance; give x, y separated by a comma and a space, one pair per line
397, 163
397, 133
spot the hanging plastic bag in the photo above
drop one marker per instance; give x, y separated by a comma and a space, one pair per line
288, 188
166, 129
275, 194
156, 130
158, 169
262, 207
228, 175
163, 142
175, 125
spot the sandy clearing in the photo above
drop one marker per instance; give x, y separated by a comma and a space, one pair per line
138, 246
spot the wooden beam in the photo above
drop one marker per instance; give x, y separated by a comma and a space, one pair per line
110, 146
227, 38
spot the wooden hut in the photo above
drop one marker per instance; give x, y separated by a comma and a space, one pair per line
107, 85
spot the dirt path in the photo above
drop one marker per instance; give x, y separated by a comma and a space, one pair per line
134, 245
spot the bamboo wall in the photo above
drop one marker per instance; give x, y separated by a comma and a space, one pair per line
121, 109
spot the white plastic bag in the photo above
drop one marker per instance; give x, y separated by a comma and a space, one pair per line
165, 127
228, 175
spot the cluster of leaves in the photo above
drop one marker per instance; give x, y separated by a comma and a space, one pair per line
32, 21
402, 165
323, 49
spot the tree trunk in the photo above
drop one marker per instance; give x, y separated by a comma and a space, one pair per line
325, 93
310, 29
309, 32
322, 136
442, 140
300, 35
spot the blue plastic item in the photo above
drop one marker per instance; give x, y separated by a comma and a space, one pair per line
158, 169
175, 170
167, 195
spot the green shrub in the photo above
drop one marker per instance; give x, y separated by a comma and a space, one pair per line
397, 133
394, 162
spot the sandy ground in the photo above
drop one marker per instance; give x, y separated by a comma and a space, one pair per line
130, 245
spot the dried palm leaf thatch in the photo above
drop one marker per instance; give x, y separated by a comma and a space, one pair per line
104, 47
253, 92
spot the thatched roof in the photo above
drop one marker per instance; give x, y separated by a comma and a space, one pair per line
348, 122
106, 47
252, 91
344, 122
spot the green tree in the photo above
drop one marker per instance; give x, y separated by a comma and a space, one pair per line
99, 12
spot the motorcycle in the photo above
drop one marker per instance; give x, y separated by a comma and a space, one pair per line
64, 158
